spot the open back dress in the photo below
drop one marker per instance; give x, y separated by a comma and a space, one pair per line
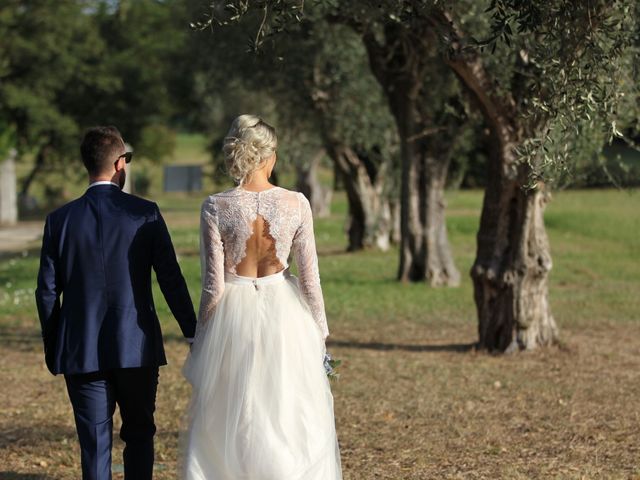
261, 406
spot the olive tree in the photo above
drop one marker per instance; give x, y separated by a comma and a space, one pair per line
543, 74
313, 78
402, 56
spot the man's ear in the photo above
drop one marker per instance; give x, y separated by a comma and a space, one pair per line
119, 165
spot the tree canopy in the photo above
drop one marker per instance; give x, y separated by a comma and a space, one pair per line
67, 65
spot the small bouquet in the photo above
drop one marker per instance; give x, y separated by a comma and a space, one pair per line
330, 366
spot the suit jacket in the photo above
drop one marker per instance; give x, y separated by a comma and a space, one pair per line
97, 254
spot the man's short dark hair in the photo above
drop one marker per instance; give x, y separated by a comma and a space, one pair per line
99, 148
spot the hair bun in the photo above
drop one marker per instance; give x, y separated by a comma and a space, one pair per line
249, 142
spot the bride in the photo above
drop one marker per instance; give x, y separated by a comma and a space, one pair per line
261, 407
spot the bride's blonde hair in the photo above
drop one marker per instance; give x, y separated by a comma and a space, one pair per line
249, 142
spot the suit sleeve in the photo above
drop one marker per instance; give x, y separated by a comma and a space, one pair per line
49, 286
172, 283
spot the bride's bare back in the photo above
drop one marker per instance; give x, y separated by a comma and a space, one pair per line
252, 234
260, 257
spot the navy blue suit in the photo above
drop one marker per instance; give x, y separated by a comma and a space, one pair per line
104, 336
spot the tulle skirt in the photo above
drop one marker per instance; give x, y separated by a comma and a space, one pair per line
261, 407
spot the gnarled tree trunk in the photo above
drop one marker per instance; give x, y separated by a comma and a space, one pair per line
365, 183
512, 265
39, 164
424, 246
513, 260
370, 221
318, 195
425, 254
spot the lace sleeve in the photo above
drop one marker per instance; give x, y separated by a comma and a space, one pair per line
211, 263
304, 251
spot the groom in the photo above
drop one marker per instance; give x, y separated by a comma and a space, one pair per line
104, 336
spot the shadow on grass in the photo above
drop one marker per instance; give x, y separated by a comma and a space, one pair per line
447, 347
450, 347
27, 338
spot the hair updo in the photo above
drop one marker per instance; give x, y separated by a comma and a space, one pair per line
248, 144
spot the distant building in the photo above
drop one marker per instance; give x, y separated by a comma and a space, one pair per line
183, 178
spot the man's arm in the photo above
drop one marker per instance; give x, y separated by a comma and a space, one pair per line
49, 287
172, 283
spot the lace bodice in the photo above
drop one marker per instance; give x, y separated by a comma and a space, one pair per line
227, 223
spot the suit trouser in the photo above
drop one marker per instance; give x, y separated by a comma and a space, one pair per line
94, 397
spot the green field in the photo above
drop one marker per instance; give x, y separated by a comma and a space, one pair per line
594, 239
412, 402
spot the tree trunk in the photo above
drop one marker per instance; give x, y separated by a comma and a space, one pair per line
337, 178
425, 254
318, 195
365, 183
8, 197
369, 211
40, 162
513, 260
394, 207
512, 266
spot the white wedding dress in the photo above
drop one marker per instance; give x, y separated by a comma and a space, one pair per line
261, 407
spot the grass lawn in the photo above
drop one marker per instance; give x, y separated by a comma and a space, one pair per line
412, 402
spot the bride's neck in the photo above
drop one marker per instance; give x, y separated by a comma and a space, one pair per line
258, 180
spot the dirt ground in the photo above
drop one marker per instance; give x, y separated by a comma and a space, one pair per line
420, 404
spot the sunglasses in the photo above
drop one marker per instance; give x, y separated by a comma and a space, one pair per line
127, 157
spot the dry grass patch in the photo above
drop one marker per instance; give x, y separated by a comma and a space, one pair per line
417, 405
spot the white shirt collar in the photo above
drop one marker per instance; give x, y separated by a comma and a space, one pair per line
102, 182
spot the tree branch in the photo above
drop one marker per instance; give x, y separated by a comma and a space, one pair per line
499, 111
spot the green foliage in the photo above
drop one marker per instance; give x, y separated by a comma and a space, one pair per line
141, 182
325, 66
617, 164
274, 16
46, 57
148, 60
468, 168
71, 64
576, 74
157, 142
312, 83
570, 69
7, 138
